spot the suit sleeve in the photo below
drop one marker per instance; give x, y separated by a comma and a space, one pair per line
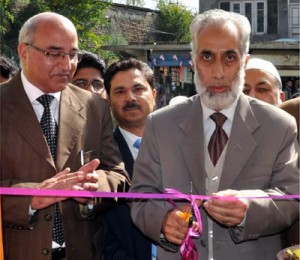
269, 216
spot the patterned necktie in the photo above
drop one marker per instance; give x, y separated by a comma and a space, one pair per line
50, 130
218, 139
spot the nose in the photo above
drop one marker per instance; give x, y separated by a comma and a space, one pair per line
66, 63
252, 93
90, 88
131, 96
218, 70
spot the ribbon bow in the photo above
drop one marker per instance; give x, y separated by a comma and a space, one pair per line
188, 249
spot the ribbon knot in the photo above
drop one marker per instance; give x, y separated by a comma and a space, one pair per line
188, 249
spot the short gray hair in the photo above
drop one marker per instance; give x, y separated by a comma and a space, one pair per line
218, 17
29, 28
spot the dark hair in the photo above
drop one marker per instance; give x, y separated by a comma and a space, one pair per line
124, 65
7, 68
91, 60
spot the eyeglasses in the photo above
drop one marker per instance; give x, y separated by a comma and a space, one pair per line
84, 84
55, 55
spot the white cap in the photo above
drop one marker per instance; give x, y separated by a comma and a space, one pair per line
177, 99
264, 65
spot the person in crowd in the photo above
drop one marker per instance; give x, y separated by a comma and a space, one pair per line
288, 89
53, 136
262, 81
219, 143
296, 88
7, 68
89, 74
291, 236
131, 93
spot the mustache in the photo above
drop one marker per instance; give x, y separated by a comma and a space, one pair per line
132, 105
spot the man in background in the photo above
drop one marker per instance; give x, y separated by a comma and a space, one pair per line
89, 74
53, 136
262, 81
131, 93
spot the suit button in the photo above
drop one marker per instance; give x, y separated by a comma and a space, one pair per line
45, 251
202, 242
48, 217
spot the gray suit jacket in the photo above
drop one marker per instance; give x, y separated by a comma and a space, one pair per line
84, 124
261, 157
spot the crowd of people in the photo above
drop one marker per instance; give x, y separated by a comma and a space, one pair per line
68, 122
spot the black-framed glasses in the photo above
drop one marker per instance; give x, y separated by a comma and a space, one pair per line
84, 84
55, 55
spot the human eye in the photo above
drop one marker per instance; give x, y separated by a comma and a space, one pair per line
80, 83
246, 91
262, 89
54, 54
73, 55
139, 89
206, 56
231, 56
97, 84
119, 91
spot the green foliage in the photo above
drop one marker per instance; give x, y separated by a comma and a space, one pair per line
88, 17
5, 15
175, 20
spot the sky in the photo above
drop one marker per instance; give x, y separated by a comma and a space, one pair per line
191, 4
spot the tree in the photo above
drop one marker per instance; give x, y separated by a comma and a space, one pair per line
175, 20
88, 17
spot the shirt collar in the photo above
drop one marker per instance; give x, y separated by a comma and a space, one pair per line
130, 138
34, 92
228, 112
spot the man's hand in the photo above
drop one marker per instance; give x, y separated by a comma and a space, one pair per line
227, 211
175, 226
91, 180
84, 179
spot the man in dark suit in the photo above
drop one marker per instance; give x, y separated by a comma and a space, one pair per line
48, 51
225, 144
131, 93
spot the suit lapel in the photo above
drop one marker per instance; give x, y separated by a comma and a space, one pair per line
192, 148
71, 123
241, 143
27, 126
125, 151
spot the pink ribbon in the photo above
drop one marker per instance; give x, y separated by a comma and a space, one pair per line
188, 249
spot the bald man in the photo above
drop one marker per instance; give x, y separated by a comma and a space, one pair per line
84, 156
262, 81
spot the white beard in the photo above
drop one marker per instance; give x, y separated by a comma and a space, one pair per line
219, 101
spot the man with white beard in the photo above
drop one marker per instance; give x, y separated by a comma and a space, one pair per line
221, 143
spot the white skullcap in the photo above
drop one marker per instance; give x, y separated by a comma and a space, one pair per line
177, 99
264, 65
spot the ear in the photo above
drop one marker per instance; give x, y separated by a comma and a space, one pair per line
282, 96
22, 51
247, 58
154, 92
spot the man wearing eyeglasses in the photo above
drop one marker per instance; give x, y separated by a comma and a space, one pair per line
53, 136
89, 74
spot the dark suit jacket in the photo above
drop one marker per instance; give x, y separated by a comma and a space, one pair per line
261, 158
84, 124
291, 235
122, 240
